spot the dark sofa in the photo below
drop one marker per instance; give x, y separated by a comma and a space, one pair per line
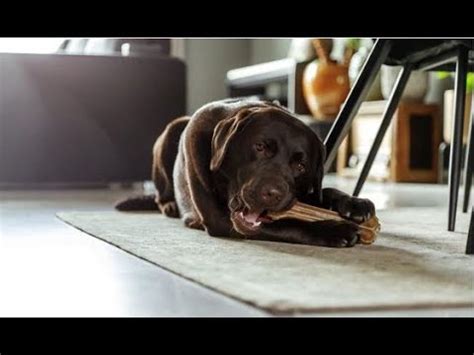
82, 120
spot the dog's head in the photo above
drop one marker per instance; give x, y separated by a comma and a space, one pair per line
269, 158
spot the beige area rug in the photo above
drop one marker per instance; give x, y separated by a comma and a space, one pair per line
414, 263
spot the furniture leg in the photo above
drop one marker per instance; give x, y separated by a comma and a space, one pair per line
392, 104
456, 140
357, 94
470, 235
469, 161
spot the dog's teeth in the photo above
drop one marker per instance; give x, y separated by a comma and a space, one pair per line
256, 224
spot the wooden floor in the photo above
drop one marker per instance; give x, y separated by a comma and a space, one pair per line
48, 268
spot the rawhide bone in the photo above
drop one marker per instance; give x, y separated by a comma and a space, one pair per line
308, 213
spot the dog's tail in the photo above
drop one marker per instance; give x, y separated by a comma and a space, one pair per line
138, 203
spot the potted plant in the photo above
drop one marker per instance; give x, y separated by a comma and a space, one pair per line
415, 89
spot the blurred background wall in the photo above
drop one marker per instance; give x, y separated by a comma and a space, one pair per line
208, 61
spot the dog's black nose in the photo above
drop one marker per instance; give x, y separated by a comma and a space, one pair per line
271, 195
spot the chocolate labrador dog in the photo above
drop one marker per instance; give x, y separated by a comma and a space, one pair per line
225, 167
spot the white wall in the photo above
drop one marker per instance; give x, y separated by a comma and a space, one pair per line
265, 50
208, 61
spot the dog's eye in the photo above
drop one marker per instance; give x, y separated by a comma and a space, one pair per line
301, 168
259, 147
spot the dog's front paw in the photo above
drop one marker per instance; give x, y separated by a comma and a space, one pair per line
356, 209
342, 235
335, 234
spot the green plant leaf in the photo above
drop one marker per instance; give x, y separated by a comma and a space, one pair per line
470, 82
353, 43
443, 74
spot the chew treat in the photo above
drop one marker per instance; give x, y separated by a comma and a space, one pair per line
308, 213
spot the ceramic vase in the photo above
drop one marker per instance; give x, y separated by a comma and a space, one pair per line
325, 84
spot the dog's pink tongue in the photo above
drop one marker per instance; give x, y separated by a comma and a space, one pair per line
251, 217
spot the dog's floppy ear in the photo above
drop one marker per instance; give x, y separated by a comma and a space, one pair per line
224, 132
315, 194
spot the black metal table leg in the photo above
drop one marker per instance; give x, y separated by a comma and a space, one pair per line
387, 116
357, 94
456, 140
470, 236
469, 161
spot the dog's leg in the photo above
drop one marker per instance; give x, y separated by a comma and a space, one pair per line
165, 152
326, 233
354, 208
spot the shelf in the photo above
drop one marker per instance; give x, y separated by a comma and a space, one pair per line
254, 80
260, 74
